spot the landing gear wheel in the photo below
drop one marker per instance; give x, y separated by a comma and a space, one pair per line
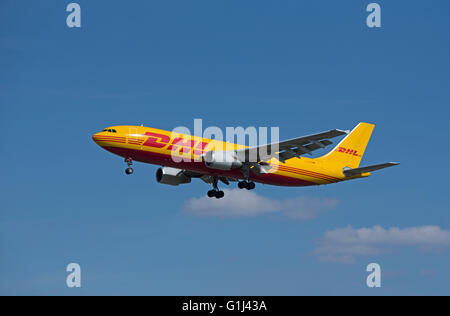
211, 193
129, 162
249, 185
219, 194
215, 192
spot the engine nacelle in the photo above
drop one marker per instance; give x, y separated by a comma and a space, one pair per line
222, 160
172, 176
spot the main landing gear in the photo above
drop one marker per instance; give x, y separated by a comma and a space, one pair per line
246, 184
129, 162
215, 192
249, 185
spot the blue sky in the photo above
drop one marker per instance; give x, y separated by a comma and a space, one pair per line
305, 66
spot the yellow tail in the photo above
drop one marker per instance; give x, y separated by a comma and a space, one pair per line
349, 152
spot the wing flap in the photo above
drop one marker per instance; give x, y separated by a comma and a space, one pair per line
290, 148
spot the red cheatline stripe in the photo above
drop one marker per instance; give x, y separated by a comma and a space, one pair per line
112, 141
311, 172
110, 138
307, 173
113, 137
315, 174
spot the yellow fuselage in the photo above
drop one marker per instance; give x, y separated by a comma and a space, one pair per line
185, 152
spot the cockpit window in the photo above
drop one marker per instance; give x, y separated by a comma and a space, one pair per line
109, 130
114, 131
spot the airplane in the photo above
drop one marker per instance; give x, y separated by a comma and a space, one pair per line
214, 161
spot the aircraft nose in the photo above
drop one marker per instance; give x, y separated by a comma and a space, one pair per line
95, 137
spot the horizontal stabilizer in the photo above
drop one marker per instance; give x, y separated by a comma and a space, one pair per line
356, 171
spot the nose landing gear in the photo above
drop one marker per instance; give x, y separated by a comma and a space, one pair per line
129, 162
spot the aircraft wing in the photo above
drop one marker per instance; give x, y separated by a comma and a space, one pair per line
289, 148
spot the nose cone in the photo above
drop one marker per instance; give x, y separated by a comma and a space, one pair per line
96, 138
109, 139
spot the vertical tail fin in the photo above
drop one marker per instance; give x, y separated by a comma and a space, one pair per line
349, 151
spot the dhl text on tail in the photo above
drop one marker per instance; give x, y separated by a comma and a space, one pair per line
183, 157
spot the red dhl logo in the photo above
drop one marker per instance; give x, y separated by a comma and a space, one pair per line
184, 146
348, 151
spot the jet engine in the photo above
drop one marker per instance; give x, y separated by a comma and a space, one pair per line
222, 160
171, 176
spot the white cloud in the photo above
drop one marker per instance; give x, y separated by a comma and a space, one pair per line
345, 244
240, 203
